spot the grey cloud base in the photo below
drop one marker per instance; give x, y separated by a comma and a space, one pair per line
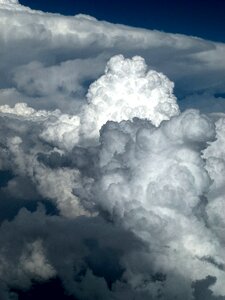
119, 193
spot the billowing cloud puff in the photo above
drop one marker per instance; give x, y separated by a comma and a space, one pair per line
118, 194
163, 205
126, 91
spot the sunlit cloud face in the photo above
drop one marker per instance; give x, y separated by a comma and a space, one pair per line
106, 182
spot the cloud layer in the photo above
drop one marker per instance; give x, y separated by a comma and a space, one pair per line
57, 57
105, 182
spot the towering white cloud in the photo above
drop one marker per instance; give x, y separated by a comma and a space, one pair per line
126, 91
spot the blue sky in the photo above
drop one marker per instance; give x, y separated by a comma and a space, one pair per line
199, 18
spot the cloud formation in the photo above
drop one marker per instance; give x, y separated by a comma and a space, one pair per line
114, 174
57, 57
127, 91
105, 182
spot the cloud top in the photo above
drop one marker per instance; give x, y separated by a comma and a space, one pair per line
128, 90
9, 2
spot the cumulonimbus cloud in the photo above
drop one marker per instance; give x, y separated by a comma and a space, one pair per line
120, 194
166, 207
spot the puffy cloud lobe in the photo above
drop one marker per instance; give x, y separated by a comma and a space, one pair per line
56, 185
126, 91
62, 131
55, 124
162, 204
